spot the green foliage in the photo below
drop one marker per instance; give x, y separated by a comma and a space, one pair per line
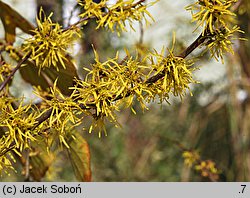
49, 126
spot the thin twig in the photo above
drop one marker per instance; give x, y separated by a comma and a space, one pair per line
27, 163
176, 143
6, 81
151, 80
141, 33
138, 3
184, 54
92, 17
71, 14
48, 113
77, 23
43, 117
123, 60
7, 150
193, 46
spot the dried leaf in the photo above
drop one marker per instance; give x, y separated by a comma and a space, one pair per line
65, 77
40, 160
80, 158
11, 20
40, 164
29, 73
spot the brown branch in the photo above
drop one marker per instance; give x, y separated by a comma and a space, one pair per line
6, 81
183, 55
151, 80
6, 150
77, 23
92, 17
71, 14
43, 117
193, 46
48, 113
137, 3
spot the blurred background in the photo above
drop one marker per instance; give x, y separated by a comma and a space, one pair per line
149, 146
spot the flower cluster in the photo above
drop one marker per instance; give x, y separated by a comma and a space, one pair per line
17, 123
16, 130
106, 84
178, 74
206, 168
190, 158
212, 14
218, 24
50, 42
109, 85
116, 15
5, 71
112, 83
62, 113
220, 42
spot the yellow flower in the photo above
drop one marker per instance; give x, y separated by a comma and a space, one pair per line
6, 160
49, 43
5, 71
212, 14
207, 169
18, 124
116, 15
107, 85
190, 158
176, 74
220, 42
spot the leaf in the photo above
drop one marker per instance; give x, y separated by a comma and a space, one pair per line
11, 20
65, 77
40, 160
80, 157
40, 164
29, 73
